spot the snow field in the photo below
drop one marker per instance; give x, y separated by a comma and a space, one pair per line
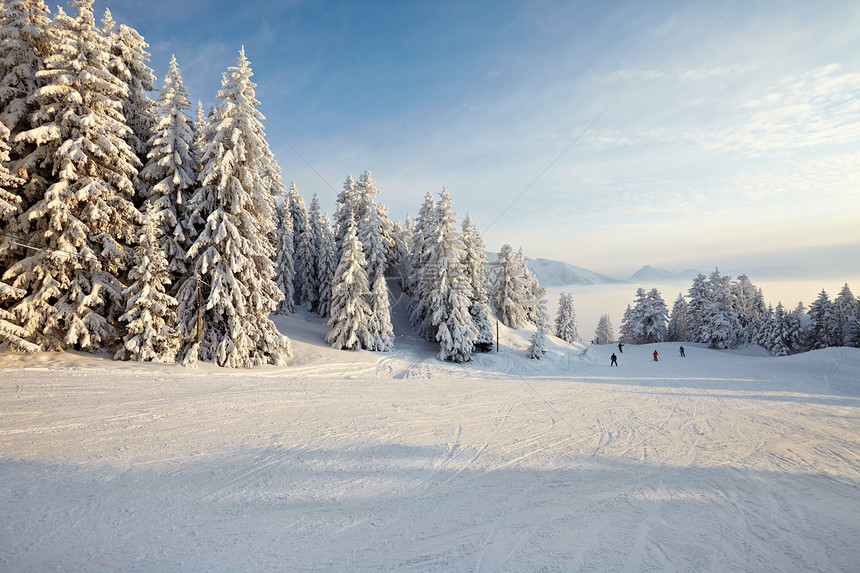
359, 461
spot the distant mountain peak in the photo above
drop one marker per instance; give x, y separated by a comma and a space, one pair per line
651, 273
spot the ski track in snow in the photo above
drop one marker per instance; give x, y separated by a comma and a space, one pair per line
354, 461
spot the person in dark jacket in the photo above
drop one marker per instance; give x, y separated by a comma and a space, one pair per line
682, 351
620, 348
613, 360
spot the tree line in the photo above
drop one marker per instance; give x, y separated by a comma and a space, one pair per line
128, 224
725, 313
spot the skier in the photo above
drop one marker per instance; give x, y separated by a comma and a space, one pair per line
613, 360
682, 351
620, 348
655, 356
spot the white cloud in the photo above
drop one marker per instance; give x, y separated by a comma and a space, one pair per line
820, 107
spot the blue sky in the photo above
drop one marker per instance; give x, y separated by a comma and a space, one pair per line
703, 133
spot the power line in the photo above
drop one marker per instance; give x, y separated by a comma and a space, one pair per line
303, 159
23, 242
547, 168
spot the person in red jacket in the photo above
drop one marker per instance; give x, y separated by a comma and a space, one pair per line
655, 356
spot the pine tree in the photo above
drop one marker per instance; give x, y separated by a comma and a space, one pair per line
10, 332
380, 317
779, 339
374, 227
634, 322
678, 329
447, 286
537, 344
510, 288
698, 295
475, 262
231, 257
350, 312
326, 267
398, 255
80, 176
565, 320
605, 333
655, 317
25, 39
131, 64
170, 171
306, 266
823, 328
418, 285
344, 213
284, 269
150, 312
298, 213
744, 295
845, 308
627, 333
721, 326
758, 326
535, 308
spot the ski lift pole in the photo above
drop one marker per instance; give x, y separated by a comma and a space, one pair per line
199, 310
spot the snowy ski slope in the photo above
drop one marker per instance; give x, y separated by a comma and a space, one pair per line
357, 461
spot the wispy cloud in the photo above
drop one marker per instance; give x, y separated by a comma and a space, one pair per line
683, 75
820, 107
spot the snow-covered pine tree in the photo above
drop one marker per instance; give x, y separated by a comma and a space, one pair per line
326, 266
822, 331
779, 335
536, 301
721, 327
306, 266
231, 259
795, 326
284, 269
307, 256
80, 175
374, 227
510, 294
744, 296
380, 317
298, 212
190, 218
344, 213
537, 344
150, 315
634, 322
605, 333
170, 171
678, 329
476, 271
398, 255
417, 284
350, 311
10, 201
655, 317
447, 286
10, 332
25, 39
758, 327
845, 308
131, 64
405, 268
698, 295
565, 319
628, 327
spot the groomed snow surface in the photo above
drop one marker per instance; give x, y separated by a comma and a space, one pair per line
360, 461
